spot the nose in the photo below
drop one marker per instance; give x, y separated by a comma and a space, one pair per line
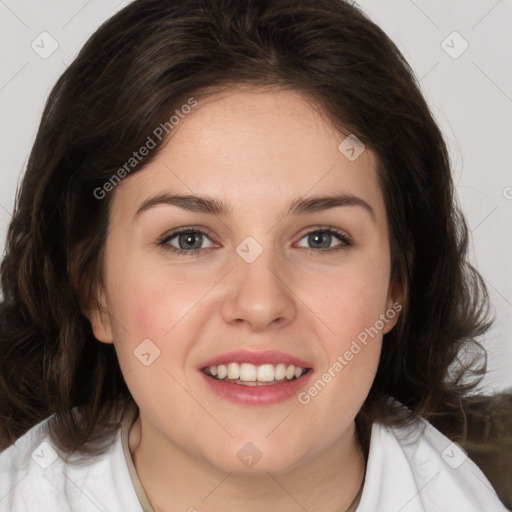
257, 295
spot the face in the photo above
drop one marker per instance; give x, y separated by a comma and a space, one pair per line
265, 284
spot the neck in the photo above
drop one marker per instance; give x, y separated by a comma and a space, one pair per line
175, 480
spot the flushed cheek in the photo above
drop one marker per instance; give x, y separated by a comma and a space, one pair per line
163, 314
143, 315
153, 302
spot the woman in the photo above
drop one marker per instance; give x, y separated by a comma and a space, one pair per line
144, 370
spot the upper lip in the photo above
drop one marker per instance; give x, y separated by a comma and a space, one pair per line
256, 358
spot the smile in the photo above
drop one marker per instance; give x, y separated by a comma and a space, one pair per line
247, 374
252, 378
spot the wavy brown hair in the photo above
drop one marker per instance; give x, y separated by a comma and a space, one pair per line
131, 74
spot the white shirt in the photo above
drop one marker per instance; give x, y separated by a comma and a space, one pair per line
414, 469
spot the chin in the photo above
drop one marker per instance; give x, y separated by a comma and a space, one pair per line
256, 458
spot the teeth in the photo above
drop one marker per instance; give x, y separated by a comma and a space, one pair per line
266, 373
222, 371
233, 371
246, 372
280, 371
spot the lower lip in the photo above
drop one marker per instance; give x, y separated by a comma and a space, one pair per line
257, 395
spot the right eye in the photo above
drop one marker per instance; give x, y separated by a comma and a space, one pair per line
188, 241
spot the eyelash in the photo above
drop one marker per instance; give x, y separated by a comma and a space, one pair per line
341, 235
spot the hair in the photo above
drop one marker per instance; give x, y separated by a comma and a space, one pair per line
139, 66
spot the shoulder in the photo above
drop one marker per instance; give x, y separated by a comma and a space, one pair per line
35, 475
416, 468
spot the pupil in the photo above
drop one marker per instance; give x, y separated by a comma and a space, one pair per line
320, 234
187, 237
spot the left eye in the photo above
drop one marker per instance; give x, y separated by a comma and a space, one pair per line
315, 237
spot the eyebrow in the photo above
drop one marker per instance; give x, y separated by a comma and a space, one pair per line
213, 206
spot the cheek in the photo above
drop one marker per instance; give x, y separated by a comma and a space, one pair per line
136, 313
145, 309
151, 303
348, 300
351, 345
160, 307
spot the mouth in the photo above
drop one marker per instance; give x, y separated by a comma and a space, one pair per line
253, 378
247, 374
256, 378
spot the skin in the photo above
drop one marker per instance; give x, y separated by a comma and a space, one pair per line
256, 150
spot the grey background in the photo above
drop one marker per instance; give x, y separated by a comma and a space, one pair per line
470, 94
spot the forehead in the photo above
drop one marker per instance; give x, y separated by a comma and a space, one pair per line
254, 147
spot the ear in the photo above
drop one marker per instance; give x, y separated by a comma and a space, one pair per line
97, 312
394, 305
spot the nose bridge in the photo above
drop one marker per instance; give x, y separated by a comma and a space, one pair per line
261, 296
260, 258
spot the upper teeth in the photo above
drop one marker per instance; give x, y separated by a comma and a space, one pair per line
251, 373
